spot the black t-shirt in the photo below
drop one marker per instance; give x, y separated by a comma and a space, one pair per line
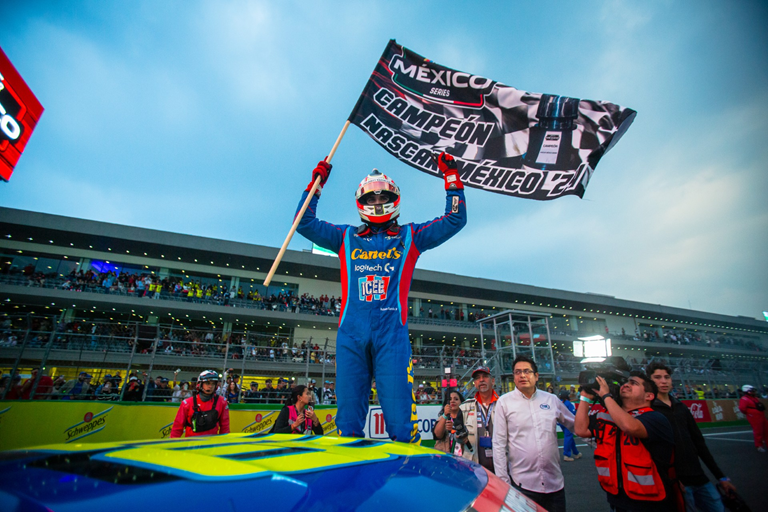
660, 443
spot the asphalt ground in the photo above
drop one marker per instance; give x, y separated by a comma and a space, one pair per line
732, 447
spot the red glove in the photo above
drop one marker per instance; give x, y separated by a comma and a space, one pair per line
323, 170
448, 167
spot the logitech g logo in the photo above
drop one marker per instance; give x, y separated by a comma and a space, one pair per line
389, 267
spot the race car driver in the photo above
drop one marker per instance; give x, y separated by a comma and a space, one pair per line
205, 413
377, 264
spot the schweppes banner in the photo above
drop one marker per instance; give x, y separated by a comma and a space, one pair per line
508, 141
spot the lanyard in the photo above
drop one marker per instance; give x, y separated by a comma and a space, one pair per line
485, 415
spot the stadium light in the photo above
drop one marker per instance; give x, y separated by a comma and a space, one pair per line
592, 349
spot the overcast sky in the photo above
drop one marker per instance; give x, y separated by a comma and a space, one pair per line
206, 118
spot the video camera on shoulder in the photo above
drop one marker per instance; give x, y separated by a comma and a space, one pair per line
614, 370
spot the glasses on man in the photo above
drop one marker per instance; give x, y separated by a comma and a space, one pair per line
525, 372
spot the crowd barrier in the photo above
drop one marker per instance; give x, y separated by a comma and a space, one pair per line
36, 423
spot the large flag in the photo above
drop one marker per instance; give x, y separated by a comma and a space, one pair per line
508, 141
19, 113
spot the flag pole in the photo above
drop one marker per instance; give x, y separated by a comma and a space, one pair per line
303, 209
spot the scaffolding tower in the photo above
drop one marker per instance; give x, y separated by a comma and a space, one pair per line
516, 333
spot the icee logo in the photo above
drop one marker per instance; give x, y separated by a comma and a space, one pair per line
373, 287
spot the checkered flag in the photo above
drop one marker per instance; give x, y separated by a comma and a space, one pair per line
538, 146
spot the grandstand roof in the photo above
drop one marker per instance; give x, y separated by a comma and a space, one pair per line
34, 230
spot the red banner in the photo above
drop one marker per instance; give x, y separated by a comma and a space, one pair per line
19, 113
699, 410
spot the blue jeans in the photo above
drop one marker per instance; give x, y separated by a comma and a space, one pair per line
703, 498
569, 443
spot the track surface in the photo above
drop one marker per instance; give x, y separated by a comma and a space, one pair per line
732, 447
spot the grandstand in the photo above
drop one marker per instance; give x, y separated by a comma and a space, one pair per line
84, 295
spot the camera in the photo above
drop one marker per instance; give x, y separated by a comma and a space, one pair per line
614, 370
460, 430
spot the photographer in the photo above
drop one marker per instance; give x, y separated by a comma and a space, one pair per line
634, 445
525, 451
445, 429
299, 417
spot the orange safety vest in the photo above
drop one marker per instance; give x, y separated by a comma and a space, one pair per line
618, 452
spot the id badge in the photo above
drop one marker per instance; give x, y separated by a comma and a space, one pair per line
485, 441
489, 452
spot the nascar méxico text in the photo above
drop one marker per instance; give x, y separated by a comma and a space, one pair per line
523, 181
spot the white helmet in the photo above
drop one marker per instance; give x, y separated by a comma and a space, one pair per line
746, 388
377, 183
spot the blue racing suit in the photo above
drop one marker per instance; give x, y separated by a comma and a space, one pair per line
372, 341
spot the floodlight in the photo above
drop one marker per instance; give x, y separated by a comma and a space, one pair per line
592, 348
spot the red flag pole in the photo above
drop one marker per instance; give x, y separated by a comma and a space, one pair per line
303, 209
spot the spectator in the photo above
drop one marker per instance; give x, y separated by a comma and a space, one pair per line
479, 413
76, 389
283, 394
269, 394
232, 393
106, 391
317, 395
133, 389
298, 417
690, 446
755, 412
14, 386
444, 432
181, 393
525, 451
204, 413
634, 438
163, 392
42, 391
570, 452
252, 396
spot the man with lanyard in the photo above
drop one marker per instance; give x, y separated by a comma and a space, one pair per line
635, 445
478, 418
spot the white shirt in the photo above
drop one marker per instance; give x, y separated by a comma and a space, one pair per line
525, 440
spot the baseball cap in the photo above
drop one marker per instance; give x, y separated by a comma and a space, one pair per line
746, 388
134, 378
483, 369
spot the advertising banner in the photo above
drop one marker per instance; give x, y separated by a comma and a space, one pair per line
505, 140
699, 410
34, 423
19, 113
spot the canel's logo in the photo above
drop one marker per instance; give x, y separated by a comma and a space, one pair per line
438, 83
373, 287
392, 254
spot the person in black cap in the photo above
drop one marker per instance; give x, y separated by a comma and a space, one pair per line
479, 413
269, 395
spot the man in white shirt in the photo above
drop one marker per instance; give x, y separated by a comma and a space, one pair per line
525, 452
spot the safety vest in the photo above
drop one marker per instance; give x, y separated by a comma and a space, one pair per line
618, 453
